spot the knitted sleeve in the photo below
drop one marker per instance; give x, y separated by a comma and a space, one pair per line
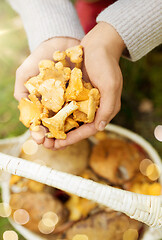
138, 22
44, 19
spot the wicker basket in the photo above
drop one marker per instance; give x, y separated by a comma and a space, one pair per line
144, 208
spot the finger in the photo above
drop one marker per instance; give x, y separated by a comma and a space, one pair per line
55, 149
28, 69
106, 109
38, 134
76, 135
48, 143
110, 103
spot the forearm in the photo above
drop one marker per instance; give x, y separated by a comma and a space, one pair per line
138, 22
44, 19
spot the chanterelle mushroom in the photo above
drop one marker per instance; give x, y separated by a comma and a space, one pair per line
89, 106
57, 122
30, 111
75, 54
52, 93
48, 71
32, 85
80, 116
75, 86
70, 124
61, 57
65, 71
83, 95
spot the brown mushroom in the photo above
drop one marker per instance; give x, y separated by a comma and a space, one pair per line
37, 204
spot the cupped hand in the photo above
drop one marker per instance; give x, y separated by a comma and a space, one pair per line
29, 68
102, 50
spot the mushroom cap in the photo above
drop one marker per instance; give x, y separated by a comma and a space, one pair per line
75, 86
75, 54
33, 84
30, 110
79, 116
89, 106
70, 124
37, 204
73, 159
103, 225
58, 55
116, 160
52, 94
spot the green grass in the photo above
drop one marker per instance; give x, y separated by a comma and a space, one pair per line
13, 45
142, 80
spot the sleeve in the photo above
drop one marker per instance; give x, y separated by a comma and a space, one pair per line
138, 22
44, 19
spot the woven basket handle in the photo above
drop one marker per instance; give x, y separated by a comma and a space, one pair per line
147, 209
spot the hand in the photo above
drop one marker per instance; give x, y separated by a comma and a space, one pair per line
29, 68
102, 50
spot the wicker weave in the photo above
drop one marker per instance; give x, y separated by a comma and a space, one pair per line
147, 209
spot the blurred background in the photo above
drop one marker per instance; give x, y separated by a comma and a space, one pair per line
141, 99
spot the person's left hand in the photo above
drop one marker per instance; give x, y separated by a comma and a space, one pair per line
102, 50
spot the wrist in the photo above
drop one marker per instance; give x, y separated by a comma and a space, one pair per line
61, 42
104, 35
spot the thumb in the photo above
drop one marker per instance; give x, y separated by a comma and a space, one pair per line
105, 112
110, 104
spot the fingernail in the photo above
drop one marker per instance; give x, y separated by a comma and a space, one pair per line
102, 125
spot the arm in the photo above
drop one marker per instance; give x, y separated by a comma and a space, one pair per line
45, 19
138, 22
132, 26
50, 25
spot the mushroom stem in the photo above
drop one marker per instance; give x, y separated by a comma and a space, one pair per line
56, 123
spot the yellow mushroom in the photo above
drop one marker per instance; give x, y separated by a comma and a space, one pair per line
30, 111
57, 122
61, 57
70, 124
35, 186
52, 93
87, 85
75, 54
75, 86
80, 116
90, 106
65, 71
32, 85
48, 71
84, 94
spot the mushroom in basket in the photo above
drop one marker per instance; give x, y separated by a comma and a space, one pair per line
75, 215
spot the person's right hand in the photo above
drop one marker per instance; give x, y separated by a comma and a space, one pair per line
29, 68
